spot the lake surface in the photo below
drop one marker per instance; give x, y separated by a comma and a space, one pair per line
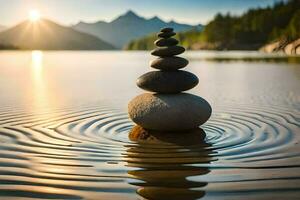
64, 129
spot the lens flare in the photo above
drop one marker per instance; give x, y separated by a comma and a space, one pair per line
34, 15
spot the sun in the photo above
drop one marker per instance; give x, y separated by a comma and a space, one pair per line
34, 15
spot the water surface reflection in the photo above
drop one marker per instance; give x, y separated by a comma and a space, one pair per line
163, 163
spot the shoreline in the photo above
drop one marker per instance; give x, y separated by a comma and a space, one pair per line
283, 46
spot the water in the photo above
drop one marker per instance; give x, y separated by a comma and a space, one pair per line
64, 130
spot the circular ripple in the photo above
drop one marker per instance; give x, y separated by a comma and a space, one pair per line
242, 134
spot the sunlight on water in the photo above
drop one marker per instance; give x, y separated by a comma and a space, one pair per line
37, 68
39, 85
37, 59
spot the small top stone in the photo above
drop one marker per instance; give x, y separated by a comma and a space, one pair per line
166, 34
167, 29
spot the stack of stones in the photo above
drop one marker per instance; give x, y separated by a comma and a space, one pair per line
166, 108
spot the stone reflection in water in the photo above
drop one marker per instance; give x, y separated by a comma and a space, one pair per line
161, 162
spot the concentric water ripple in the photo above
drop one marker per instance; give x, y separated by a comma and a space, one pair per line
86, 154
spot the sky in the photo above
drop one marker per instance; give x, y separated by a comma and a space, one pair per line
69, 12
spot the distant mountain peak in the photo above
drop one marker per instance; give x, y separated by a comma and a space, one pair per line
81, 22
156, 19
130, 13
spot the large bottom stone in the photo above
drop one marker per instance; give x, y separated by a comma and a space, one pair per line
169, 112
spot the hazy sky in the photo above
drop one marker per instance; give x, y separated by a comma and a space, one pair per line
71, 11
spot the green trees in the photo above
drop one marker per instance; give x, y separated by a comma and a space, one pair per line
256, 27
293, 29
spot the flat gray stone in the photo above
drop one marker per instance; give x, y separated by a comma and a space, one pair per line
167, 29
162, 42
167, 81
168, 51
166, 34
169, 63
167, 112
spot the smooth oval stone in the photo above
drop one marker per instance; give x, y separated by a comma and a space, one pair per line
168, 51
166, 34
166, 42
167, 112
167, 81
167, 29
169, 63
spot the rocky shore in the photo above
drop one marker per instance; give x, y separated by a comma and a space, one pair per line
284, 46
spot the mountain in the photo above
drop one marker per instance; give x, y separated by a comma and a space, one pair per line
127, 27
47, 35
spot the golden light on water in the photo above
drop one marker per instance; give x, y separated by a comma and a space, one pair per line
39, 88
43, 96
37, 70
34, 15
37, 60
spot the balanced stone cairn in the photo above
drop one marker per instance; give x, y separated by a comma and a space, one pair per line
166, 108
